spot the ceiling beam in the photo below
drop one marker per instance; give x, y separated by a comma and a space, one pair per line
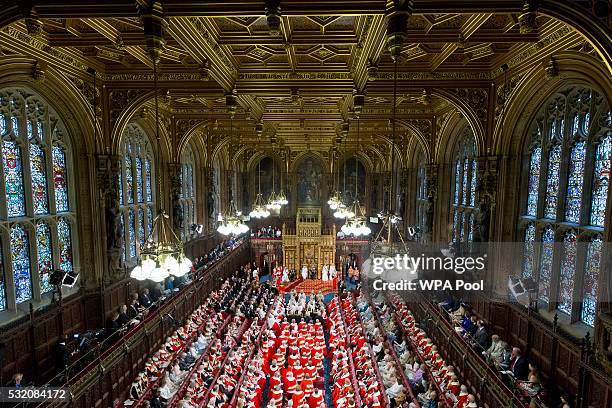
109, 31
199, 41
176, 8
473, 23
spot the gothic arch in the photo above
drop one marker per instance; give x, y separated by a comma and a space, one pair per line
306, 155
452, 133
468, 113
574, 68
67, 102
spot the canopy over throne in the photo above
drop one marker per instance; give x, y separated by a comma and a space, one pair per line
309, 245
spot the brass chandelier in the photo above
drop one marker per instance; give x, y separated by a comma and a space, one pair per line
162, 254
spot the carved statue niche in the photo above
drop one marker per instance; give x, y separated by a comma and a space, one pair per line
108, 184
175, 188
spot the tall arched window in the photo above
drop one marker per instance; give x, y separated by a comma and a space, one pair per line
136, 190
568, 196
36, 203
464, 185
188, 195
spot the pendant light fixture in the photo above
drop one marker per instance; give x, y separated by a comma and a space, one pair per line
356, 224
162, 254
231, 222
342, 210
259, 207
389, 217
273, 203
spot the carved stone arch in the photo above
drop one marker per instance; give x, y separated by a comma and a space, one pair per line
418, 135
446, 146
198, 148
361, 156
124, 105
297, 161
195, 128
57, 92
583, 21
476, 123
399, 156
149, 130
574, 69
259, 155
415, 152
221, 153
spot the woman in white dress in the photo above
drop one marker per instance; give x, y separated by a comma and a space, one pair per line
304, 272
325, 274
285, 277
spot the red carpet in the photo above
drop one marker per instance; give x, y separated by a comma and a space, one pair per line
311, 286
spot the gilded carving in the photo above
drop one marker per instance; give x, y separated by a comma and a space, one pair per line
121, 98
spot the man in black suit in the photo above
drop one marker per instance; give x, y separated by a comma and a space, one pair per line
132, 310
481, 337
61, 354
156, 293
519, 365
144, 299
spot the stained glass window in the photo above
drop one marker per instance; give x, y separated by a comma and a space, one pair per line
601, 181
136, 190
591, 275
30, 129
462, 228
60, 179
2, 284
529, 252
149, 184
187, 191
45, 256
39, 180
129, 187
13, 179
573, 199
586, 122
552, 182
39, 148
65, 245
2, 125
20, 252
132, 234
582, 144
139, 180
473, 184
457, 181
471, 228
534, 181
15, 125
120, 188
149, 220
455, 219
466, 172
568, 273
575, 123
546, 263
141, 227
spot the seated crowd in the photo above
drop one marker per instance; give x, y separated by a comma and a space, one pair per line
301, 305
200, 363
218, 252
498, 353
267, 232
139, 304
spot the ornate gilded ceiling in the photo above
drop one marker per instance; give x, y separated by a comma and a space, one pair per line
296, 81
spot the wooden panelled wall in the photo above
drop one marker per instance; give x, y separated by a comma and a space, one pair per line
27, 345
560, 360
